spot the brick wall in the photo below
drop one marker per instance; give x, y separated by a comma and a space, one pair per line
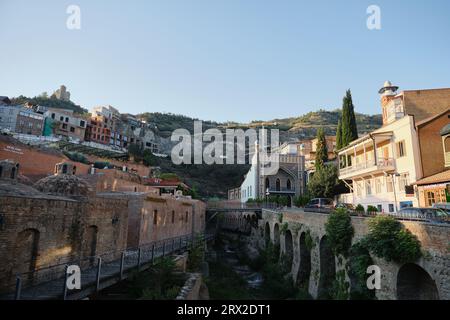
431, 149
42, 231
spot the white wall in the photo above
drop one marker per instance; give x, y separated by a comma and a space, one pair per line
403, 130
248, 187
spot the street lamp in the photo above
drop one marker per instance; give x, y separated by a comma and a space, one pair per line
393, 175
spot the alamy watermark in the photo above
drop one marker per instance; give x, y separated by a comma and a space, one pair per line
73, 21
374, 19
237, 145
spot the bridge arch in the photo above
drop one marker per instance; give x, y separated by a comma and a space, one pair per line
327, 268
276, 236
304, 270
415, 283
288, 249
267, 234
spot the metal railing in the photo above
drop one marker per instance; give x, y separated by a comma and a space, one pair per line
381, 164
50, 282
228, 205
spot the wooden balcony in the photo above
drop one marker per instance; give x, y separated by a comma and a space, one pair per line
367, 167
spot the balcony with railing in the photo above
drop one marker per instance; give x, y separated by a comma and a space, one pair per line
274, 190
367, 167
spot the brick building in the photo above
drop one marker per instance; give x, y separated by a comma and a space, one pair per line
434, 139
29, 122
57, 224
74, 216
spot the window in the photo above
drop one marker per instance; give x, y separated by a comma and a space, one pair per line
61, 118
67, 119
404, 181
155, 217
72, 129
389, 185
186, 217
82, 123
377, 185
278, 185
369, 187
173, 216
288, 184
380, 208
401, 150
267, 183
391, 207
53, 116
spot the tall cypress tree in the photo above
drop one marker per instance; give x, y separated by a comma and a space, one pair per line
349, 129
321, 150
339, 135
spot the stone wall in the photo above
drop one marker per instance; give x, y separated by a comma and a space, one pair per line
434, 239
47, 230
193, 289
174, 217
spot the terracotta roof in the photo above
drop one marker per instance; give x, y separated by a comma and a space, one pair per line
436, 178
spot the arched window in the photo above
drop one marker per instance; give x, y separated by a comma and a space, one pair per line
288, 184
267, 184
278, 185
447, 144
64, 169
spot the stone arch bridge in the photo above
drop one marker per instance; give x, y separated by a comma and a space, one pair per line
316, 268
427, 278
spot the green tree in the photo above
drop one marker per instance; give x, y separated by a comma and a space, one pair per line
322, 150
324, 183
148, 158
339, 135
349, 130
388, 239
340, 231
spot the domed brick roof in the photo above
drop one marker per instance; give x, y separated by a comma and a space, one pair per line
63, 185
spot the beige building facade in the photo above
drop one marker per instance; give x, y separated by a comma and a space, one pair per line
381, 168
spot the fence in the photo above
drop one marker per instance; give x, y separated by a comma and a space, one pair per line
97, 272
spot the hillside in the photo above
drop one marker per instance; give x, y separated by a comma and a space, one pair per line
301, 127
215, 180
49, 102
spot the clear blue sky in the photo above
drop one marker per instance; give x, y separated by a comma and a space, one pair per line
223, 59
